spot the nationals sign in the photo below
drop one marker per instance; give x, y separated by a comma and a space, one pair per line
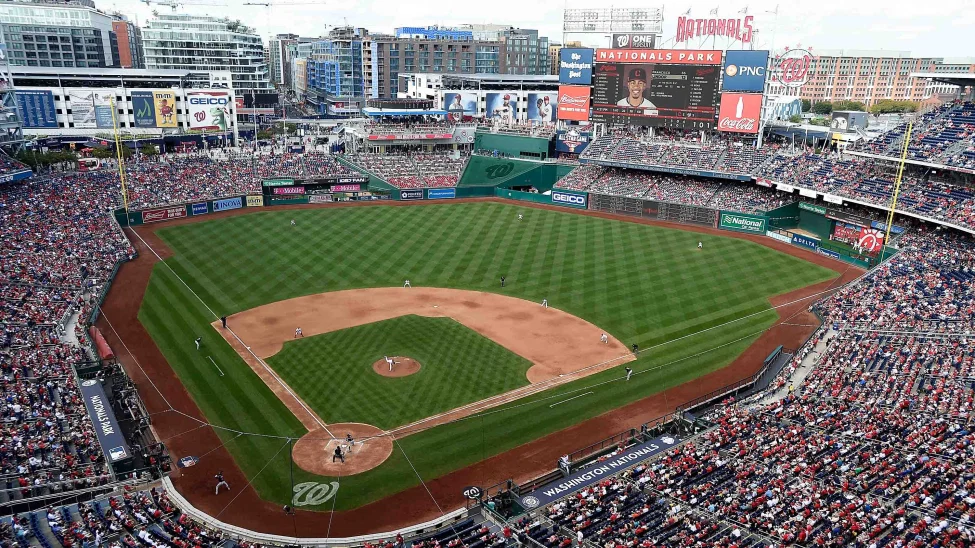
792, 67
739, 112
573, 103
736, 29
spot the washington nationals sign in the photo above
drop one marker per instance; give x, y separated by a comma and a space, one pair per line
792, 67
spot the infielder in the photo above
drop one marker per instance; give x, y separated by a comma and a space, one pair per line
197, 341
389, 362
407, 284
293, 223
520, 216
544, 303
221, 481
604, 338
298, 332
629, 373
700, 245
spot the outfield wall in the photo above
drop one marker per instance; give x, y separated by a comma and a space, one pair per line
509, 172
514, 146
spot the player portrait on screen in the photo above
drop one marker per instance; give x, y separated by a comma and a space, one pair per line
637, 82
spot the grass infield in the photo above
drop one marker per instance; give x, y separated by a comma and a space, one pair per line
643, 284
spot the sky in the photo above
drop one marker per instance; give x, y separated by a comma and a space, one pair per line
893, 25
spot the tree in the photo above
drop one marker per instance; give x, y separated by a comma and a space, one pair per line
806, 105
820, 122
795, 119
822, 107
148, 150
889, 106
849, 105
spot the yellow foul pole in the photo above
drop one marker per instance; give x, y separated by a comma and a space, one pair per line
897, 183
121, 163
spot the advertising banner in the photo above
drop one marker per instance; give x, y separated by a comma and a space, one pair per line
209, 109
828, 252
320, 199
805, 241
459, 104
164, 106
502, 105
883, 227
668, 88
163, 214
37, 108
739, 112
845, 233
779, 237
813, 207
413, 194
745, 71
227, 204
409, 136
542, 106
345, 188
573, 103
91, 108
289, 190
833, 199
103, 418
845, 217
870, 240
807, 193
278, 182
571, 199
441, 193
590, 475
784, 187
634, 41
743, 222
571, 140
255, 201
144, 109
575, 66
200, 209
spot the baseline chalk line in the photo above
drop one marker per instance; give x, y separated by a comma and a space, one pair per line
570, 399
215, 365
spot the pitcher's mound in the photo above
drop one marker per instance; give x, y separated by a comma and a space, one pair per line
401, 367
315, 450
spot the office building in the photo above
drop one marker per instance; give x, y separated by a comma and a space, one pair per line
202, 44
525, 52
58, 34
279, 58
335, 72
553, 54
131, 53
871, 76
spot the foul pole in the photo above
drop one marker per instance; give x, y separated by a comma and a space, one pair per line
121, 164
897, 184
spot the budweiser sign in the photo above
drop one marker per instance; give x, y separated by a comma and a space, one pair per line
792, 67
574, 103
739, 112
737, 29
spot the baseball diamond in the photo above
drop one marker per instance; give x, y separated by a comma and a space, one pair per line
691, 313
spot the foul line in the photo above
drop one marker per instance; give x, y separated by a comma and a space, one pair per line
215, 365
570, 399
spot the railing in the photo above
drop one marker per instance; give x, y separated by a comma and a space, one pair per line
737, 385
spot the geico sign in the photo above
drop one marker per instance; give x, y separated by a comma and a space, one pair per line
209, 100
574, 199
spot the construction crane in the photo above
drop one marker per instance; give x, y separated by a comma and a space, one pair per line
173, 4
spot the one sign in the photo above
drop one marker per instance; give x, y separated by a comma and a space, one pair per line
813, 207
739, 29
209, 109
574, 103
143, 109
413, 194
227, 204
634, 41
255, 201
200, 209
345, 188
106, 426
164, 106
289, 190
739, 112
743, 222
571, 199
441, 193
805, 241
792, 67
37, 108
745, 71
590, 475
575, 66
472, 493
163, 214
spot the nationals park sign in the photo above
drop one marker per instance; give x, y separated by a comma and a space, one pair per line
742, 222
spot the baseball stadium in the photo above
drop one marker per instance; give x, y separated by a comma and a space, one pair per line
443, 329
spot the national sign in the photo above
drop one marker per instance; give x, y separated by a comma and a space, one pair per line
737, 29
793, 67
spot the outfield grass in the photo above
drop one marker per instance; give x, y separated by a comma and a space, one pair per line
642, 284
333, 372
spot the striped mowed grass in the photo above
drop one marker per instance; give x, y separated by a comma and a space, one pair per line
696, 311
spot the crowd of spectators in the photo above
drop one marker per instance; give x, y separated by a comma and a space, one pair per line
413, 170
684, 150
944, 135
8, 165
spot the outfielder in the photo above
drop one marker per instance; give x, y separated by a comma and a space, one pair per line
298, 332
221, 481
700, 245
520, 216
629, 373
293, 223
197, 341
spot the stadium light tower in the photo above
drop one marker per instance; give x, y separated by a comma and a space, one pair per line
609, 20
11, 127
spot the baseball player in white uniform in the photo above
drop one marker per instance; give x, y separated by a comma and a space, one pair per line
407, 284
544, 303
298, 332
700, 245
604, 338
389, 362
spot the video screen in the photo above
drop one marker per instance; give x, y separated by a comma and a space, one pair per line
655, 94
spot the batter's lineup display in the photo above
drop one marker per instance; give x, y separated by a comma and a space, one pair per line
667, 88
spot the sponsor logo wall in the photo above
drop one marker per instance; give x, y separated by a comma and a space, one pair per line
91, 108
542, 107
200, 209
345, 188
289, 190
745, 71
805, 241
208, 109
37, 108
163, 214
416, 194
573, 103
742, 222
502, 105
569, 199
441, 193
633, 41
575, 66
828, 252
870, 240
459, 104
739, 112
144, 109
255, 201
164, 103
227, 204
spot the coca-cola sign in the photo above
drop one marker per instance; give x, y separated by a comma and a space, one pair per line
740, 112
792, 67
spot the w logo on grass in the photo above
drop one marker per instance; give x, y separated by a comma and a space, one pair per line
311, 493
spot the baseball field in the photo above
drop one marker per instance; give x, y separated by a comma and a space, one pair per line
690, 311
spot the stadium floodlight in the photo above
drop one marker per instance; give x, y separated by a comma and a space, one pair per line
609, 20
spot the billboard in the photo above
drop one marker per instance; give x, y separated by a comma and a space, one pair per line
743, 222
633, 41
289, 190
412, 194
571, 141
144, 109
573, 103
542, 106
739, 29
502, 105
91, 108
255, 201
744, 71
164, 105
163, 214
459, 104
227, 204
37, 108
669, 88
107, 430
200, 209
575, 66
571, 199
441, 193
870, 240
208, 109
740, 112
